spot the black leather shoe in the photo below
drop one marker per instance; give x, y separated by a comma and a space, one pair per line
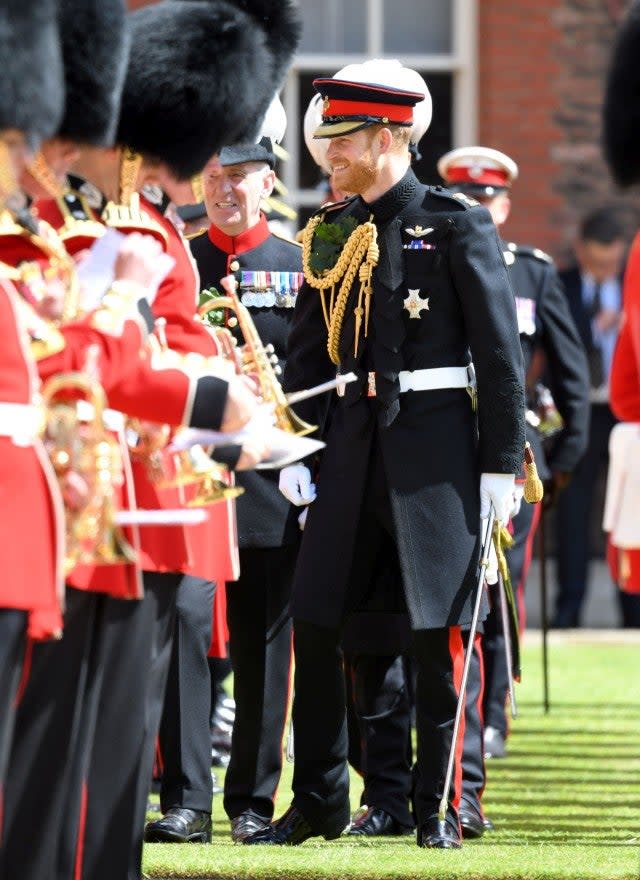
435, 834
180, 825
290, 829
488, 824
245, 824
471, 823
494, 743
374, 822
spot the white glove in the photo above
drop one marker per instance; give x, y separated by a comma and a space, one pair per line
296, 486
518, 492
302, 519
491, 571
497, 489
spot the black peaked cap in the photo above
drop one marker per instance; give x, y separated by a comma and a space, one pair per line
260, 152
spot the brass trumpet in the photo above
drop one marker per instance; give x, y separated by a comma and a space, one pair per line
86, 447
258, 359
195, 467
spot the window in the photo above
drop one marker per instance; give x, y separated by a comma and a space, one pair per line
436, 37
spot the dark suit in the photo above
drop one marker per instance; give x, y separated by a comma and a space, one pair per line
402, 465
257, 603
573, 514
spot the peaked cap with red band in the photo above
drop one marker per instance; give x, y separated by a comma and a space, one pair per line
349, 106
479, 171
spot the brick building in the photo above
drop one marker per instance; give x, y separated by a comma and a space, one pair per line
524, 76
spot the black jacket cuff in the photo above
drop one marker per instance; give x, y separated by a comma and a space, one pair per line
208, 403
227, 455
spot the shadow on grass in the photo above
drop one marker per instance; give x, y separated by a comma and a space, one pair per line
598, 711
599, 803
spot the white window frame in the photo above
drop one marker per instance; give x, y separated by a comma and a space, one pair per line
461, 62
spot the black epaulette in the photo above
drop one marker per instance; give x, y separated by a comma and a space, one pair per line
523, 250
286, 238
460, 199
329, 207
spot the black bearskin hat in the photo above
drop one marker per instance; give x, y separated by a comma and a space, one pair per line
31, 91
621, 112
95, 46
280, 20
191, 82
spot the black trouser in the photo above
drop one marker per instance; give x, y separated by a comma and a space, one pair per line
321, 780
185, 735
573, 517
473, 767
13, 624
493, 643
134, 661
379, 716
629, 604
46, 742
260, 649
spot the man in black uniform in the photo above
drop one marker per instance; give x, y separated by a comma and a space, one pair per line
545, 324
269, 273
377, 640
404, 459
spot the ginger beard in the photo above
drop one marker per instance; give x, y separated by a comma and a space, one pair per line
355, 174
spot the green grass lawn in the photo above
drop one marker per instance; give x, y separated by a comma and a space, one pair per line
566, 802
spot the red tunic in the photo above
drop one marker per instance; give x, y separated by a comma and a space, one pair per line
624, 393
31, 520
141, 391
131, 384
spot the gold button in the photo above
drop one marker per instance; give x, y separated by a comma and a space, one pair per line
385, 120
234, 265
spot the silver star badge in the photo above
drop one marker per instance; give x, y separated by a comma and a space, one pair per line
414, 304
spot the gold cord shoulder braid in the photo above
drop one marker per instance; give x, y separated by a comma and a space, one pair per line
359, 256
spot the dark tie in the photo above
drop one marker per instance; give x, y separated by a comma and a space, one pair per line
594, 351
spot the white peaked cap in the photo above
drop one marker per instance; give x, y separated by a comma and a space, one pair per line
317, 146
275, 121
390, 72
385, 71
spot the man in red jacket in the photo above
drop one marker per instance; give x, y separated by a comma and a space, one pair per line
102, 630
30, 106
621, 109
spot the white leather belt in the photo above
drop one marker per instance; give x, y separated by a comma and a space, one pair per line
113, 420
437, 379
22, 422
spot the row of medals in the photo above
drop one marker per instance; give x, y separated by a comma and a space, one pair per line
268, 289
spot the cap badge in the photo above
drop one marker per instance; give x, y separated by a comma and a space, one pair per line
414, 304
326, 103
475, 171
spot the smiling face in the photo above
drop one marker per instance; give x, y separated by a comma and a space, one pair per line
233, 194
354, 159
